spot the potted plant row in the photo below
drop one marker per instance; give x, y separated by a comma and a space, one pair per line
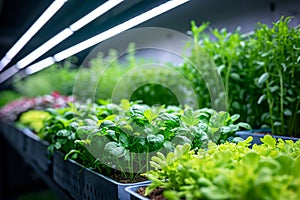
89, 140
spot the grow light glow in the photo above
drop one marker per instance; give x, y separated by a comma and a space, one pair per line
37, 25
100, 10
44, 48
100, 37
94, 14
39, 65
118, 29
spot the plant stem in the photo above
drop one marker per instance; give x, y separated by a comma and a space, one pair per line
227, 84
281, 101
270, 103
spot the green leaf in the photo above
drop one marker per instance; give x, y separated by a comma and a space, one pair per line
251, 159
125, 104
268, 140
235, 117
261, 98
263, 78
155, 138
114, 149
287, 112
286, 163
189, 117
181, 140
171, 195
150, 115
244, 125
63, 133
219, 119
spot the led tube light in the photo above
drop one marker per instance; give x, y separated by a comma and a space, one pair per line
103, 36
39, 65
100, 10
118, 29
44, 48
38, 24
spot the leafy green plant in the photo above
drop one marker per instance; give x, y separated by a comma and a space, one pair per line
258, 69
34, 119
8, 96
58, 77
229, 171
275, 57
125, 135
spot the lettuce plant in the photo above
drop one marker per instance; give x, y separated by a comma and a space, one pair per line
229, 171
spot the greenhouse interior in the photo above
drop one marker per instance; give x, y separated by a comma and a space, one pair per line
140, 99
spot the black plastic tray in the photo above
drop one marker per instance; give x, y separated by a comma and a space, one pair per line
36, 151
68, 175
86, 184
98, 186
131, 190
14, 136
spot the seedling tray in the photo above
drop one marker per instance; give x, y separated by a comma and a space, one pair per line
98, 186
14, 136
69, 175
131, 190
37, 151
86, 184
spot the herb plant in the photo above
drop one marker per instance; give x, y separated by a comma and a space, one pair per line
124, 136
259, 72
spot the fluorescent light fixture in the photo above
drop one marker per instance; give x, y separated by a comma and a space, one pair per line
98, 38
94, 14
8, 73
44, 48
39, 65
38, 24
67, 32
118, 29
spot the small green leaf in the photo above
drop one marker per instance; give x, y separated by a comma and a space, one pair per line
261, 98
263, 78
125, 104
150, 115
244, 125
235, 117
63, 133
219, 119
155, 138
287, 112
269, 140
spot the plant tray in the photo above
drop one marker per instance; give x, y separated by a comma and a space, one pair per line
37, 151
68, 175
131, 190
98, 186
260, 133
85, 184
14, 136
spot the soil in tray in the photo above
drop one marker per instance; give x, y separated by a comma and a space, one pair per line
116, 175
156, 194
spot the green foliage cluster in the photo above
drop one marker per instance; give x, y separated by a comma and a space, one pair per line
58, 77
259, 70
123, 136
229, 171
134, 79
8, 96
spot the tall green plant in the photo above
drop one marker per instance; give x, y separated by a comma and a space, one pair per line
259, 70
276, 55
